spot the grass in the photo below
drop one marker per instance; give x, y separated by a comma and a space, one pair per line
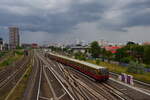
2, 54
10, 59
120, 69
19, 90
142, 77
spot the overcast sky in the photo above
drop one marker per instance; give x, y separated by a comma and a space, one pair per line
67, 20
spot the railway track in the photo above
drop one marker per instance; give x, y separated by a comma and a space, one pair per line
78, 85
6, 72
58, 90
32, 90
79, 89
85, 92
10, 76
106, 91
43, 84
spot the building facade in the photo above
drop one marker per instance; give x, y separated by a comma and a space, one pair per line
1, 44
14, 37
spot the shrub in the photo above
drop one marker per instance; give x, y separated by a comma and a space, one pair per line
19, 52
80, 56
135, 68
147, 66
97, 61
127, 59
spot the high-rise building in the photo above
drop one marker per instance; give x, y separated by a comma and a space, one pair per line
14, 37
1, 44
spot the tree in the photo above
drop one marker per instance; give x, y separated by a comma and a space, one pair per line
121, 53
19, 47
130, 43
147, 54
95, 49
108, 55
138, 52
80, 56
129, 52
127, 59
136, 68
97, 61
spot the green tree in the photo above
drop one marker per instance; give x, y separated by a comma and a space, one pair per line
97, 61
108, 55
138, 52
121, 53
130, 43
136, 68
103, 53
129, 52
95, 49
80, 56
127, 59
147, 54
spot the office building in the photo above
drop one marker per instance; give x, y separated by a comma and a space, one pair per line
14, 38
1, 44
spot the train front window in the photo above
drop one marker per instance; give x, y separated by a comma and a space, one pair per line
104, 71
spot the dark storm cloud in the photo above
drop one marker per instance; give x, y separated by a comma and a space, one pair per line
59, 17
54, 22
139, 20
65, 21
139, 4
138, 13
131, 14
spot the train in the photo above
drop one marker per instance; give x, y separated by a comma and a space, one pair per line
96, 72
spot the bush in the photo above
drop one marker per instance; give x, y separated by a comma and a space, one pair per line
97, 61
80, 56
147, 66
135, 68
127, 59
19, 52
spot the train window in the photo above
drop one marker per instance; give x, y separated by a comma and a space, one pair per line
86, 68
81, 66
99, 71
104, 71
96, 71
93, 71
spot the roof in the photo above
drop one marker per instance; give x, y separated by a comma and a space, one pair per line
78, 61
79, 47
112, 49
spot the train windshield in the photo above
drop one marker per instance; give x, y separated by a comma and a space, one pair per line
104, 71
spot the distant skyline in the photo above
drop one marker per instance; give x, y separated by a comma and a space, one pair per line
67, 20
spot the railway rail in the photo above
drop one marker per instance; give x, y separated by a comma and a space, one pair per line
99, 91
79, 89
31, 91
6, 72
43, 84
10, 76
51, 80
58, 90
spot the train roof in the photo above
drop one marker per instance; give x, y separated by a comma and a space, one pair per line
78, 61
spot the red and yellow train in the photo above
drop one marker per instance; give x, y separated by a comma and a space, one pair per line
97, 72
